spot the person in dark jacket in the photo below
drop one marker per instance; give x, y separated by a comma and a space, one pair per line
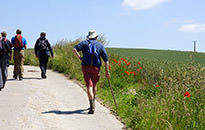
42, 49
3, 61
9, 55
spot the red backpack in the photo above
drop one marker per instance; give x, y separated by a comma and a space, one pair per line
18, 41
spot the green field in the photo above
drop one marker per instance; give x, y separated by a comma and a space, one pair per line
164, 55
149, 85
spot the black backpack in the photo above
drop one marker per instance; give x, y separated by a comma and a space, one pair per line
42, 45
2, 47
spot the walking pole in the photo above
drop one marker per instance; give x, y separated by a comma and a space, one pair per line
112, 92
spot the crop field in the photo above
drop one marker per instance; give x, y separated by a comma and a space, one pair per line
164, 55
154, 89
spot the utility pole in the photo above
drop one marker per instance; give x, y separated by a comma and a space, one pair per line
194, 46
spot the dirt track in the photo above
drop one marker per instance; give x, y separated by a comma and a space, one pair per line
54, 103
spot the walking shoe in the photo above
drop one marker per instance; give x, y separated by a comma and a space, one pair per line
15, 76
91, 111
20, 78
94, 104
43, 76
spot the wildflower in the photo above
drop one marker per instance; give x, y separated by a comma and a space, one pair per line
115, 61
127, 72
119, 63
187, 94
140, 67
132, 72
139, 63
109, 67
157, 86
138, 70
128, 63
122, 59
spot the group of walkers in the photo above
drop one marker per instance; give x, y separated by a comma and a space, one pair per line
92, 51
18, 44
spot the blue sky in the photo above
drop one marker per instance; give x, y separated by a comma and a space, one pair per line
151, 24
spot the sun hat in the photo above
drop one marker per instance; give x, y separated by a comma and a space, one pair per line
92, 34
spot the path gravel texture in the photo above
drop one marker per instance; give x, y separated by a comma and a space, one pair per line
55, 103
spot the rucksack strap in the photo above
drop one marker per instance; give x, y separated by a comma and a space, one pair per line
4, 39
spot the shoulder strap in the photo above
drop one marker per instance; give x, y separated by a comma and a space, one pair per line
88, 41
4, 39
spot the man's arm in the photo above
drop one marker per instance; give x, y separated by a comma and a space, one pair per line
77, 54
36, 48
50, 49
25, 43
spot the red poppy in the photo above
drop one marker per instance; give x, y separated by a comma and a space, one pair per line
127, 72
128, 63
157, 86
139, 63
132, 72
115, 61
138, 70
140, 67
187, 94
122, 59
109, 67
119, 63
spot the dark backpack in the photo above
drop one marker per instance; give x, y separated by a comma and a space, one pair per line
42, 45
2, 47
93, 56
18, 42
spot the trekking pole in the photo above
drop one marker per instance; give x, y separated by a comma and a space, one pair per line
112, 92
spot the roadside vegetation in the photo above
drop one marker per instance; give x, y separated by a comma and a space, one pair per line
153, 90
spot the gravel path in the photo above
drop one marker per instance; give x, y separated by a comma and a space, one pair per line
54, 103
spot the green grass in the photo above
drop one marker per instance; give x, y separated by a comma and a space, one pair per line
164, 55
141, 104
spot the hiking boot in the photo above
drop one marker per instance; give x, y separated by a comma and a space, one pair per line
20, 78
15, 76
94, 104
43, 76
91, 111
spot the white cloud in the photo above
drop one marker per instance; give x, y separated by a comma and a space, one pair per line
142, 4
192, 28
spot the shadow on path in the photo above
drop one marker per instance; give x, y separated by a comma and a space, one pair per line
25, 78
81, 111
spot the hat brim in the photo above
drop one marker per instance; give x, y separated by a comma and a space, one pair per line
92, 36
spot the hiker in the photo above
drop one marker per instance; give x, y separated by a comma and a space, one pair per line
19, 43
9, 53
92, 51
5, 50
42, 48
